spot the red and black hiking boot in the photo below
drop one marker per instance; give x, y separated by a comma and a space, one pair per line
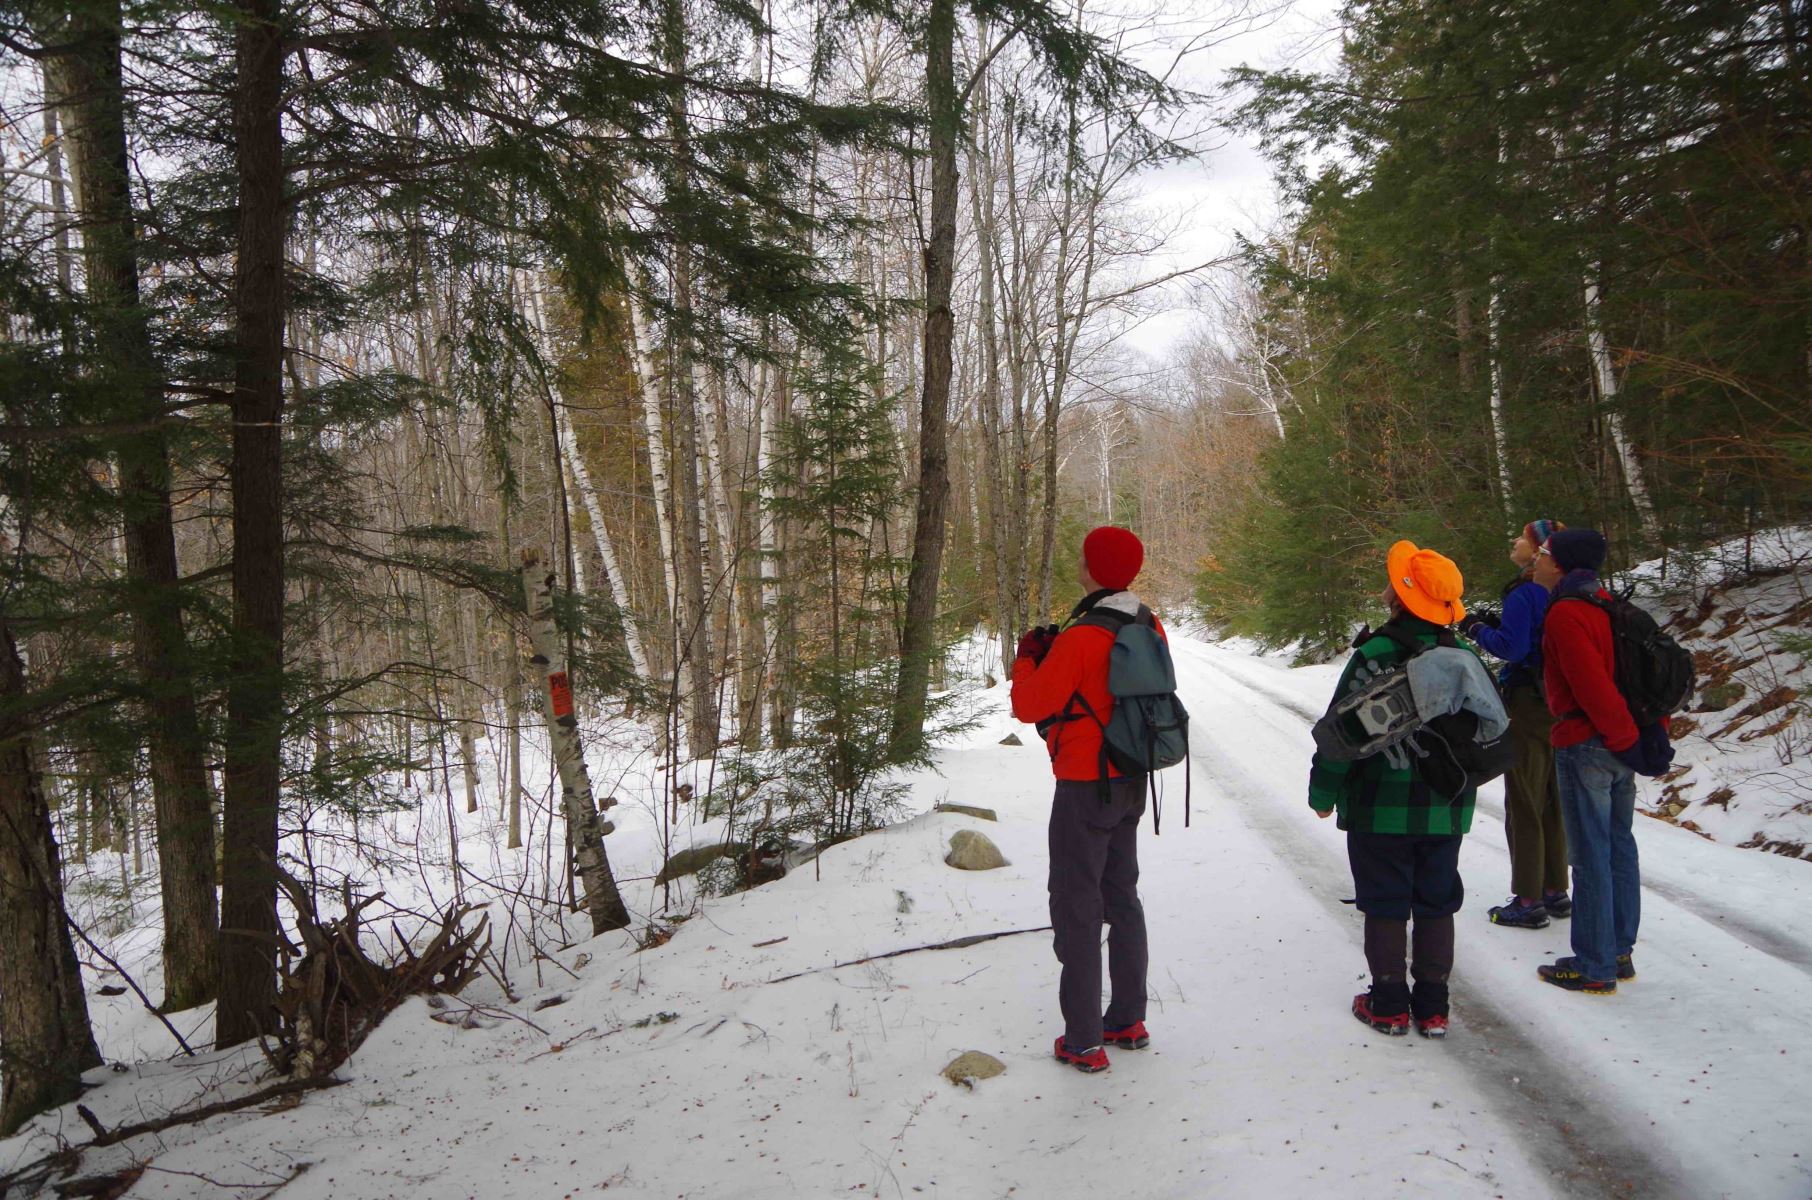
1433, 1026
1087, 1061
1565, 973
1395, 1024
1127, 1037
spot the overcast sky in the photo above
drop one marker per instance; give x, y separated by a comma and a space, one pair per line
1229, 190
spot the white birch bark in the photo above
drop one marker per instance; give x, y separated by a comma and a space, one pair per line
642, 355
575, 465
594, 512
714, 466
1499, 434
584, 824
1606, 374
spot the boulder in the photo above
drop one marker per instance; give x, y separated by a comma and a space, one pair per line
971, 1065
1012, 739
972, 851
968, 810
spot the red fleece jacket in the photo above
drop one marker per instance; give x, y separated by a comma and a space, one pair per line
1077, 662
1579, 664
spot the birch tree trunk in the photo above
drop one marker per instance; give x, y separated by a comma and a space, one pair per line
1500, 438
45, 1038
594, 512
585, 828
1606, 377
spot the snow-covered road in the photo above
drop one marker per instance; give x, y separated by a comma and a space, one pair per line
693, 1070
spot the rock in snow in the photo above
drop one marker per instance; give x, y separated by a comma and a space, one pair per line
972, 851
971, 1065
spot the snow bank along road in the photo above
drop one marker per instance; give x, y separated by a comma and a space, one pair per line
696, 1070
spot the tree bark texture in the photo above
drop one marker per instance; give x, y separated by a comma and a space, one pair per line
248, 908
584, 826
918, 634
92, 86
45, 1039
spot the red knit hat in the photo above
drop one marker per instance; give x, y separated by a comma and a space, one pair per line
1113, 556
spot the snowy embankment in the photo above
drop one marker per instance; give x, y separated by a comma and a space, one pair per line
1744, 772
737, 1060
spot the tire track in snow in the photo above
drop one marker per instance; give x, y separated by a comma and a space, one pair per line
1573, 1134
1772, 941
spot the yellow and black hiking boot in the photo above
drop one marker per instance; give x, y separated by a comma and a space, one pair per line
1626, 968
1565, 973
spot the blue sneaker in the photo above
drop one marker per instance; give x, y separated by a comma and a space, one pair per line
1517, 915
1558, 904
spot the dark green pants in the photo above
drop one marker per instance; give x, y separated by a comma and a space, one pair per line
1532, 825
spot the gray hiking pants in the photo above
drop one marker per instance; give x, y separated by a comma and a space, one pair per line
1095, 878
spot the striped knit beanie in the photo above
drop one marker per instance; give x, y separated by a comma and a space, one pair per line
1539, 531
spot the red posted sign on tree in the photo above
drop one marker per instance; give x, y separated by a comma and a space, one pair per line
560, 694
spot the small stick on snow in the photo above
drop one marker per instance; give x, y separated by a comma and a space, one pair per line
974, 939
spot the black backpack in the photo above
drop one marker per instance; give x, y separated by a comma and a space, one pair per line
1653, 672
1445, 751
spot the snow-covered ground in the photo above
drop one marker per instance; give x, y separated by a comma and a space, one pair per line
1744, 772
695, 1070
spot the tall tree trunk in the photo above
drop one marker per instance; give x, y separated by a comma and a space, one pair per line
1605, 374
918, 635
45, 1038
585, 828
1500, 437
248, 903
981, 191
689, 524
92, 89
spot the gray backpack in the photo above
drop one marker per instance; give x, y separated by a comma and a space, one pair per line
1148, 729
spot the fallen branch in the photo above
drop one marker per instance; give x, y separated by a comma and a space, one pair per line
974, 939
65, 1161
289, 1087
133, 984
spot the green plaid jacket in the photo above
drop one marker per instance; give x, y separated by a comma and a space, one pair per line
1372, 795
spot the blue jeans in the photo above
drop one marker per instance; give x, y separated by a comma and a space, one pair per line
1598, 807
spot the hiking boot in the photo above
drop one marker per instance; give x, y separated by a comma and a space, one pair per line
1626, 968
1518, 915
1087, 1061
1395, 1024
1565, 973
1433, 1026
1127, 1037
1559, 905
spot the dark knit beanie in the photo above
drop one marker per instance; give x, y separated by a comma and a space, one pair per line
1577, 549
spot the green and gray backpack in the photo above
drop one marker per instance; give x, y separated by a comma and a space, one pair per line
1148, 729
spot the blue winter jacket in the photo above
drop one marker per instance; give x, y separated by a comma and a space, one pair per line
1517, 639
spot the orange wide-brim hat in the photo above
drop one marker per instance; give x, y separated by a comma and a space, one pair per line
1427, 582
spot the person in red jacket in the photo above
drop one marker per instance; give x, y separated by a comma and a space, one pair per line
1597, 753
1058, 680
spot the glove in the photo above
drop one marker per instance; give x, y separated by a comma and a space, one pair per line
1486, 617
1650, 754
1036, 643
